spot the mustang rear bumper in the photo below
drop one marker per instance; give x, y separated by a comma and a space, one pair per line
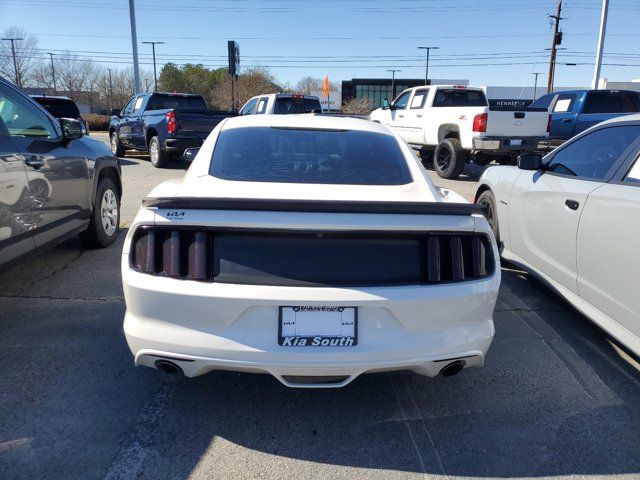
207, 326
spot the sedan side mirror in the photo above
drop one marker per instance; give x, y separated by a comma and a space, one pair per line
114, 112
71, 128
530, 161
190, 153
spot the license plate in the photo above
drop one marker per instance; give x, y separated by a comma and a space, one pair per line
313, 326
515, 142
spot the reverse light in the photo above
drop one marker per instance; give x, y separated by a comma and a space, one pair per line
480, 122
171, 122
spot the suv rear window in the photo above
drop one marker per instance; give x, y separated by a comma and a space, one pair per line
294, 155
611, 102
285, 105
59, 107
456, 97
164, 102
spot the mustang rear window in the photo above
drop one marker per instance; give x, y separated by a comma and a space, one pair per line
294, 155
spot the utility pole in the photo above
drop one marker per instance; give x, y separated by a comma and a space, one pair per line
393, 81
155, 76
603, 27
535, 84
134, 44
110, 91
15, 63
557, 40
426, 72
53, 73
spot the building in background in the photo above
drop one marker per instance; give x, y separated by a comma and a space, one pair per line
377, 89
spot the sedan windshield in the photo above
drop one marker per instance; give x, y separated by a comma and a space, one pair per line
294, 155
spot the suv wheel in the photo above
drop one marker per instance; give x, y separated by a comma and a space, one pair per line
449, 158
105, 217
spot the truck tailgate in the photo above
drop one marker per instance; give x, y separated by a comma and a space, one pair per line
198, 123
508, 122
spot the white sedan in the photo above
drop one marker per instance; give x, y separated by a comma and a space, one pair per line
573, 219
311, 248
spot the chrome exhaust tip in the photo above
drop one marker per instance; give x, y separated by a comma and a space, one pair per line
169, 368
453, 368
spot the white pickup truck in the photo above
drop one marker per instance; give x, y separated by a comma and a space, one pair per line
459, 124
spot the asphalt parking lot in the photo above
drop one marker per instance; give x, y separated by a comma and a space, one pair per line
556, 398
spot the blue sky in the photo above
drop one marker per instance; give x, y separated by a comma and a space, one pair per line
489, 42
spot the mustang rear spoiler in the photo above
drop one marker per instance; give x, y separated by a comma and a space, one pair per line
283, 205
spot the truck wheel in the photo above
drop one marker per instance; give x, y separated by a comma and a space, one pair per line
426, 156
488, 200
482, 159
159, 159
116, 147
449, 158
105, 217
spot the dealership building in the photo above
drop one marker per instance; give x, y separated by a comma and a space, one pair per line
377, 89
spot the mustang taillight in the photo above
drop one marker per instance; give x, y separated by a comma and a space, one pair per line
171, 122
188, 253
180, 253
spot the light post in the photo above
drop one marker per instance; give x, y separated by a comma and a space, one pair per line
53, 73
15, 63
110, 91
393, 81
426, 72
535, 84
155, 76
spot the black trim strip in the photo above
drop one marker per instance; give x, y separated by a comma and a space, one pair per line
283, 205
455, 358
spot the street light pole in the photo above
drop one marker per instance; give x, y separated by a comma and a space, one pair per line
134, 45
53, 73
15, 63
535, 84
153, 49
426, 72
110, 91
603, 28
393, 81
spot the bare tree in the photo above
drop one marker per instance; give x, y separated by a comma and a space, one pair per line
28, 57
358, 106
307, 85
252, 82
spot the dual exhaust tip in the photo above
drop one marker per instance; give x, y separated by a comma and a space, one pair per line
171, 369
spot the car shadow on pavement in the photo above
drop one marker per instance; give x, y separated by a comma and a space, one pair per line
136, 158
555, 398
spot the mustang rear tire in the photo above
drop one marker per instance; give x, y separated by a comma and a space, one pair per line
449, 158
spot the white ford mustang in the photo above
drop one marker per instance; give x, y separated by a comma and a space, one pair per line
312, 248
573, 219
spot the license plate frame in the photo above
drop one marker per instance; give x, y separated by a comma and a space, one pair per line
515, 142
332, 341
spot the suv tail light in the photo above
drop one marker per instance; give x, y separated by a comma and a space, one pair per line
171, 122
480, 122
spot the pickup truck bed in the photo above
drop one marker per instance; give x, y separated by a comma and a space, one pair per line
164, 124
457, 124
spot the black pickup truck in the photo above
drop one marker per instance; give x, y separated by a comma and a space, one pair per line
164, 124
